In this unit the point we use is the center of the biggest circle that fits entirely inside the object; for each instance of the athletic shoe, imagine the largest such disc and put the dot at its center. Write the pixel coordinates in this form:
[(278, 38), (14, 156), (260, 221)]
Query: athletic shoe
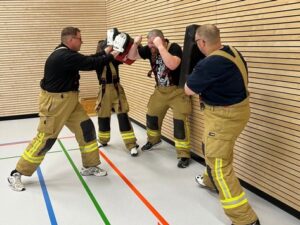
[(183, 162), (148, 146), (134, 152), (199, 180), (93, 171), (255, 223), (15, 182)]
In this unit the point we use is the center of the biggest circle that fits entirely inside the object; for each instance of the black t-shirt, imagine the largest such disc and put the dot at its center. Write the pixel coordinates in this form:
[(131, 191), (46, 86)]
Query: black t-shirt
[(163, 75), (108, 76), (61, 71), (218, 80)]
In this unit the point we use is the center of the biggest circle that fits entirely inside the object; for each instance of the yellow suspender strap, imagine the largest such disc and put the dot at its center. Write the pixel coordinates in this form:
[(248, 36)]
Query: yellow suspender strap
[(237, 61), (112, 69)]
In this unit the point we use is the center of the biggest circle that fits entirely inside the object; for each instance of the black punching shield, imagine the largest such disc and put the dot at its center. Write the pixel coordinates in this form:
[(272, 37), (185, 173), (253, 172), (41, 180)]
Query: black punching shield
[(190, 55)]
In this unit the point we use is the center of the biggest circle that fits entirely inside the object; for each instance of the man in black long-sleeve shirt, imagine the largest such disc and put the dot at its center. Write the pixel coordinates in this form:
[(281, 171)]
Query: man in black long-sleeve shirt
[(59, 106)]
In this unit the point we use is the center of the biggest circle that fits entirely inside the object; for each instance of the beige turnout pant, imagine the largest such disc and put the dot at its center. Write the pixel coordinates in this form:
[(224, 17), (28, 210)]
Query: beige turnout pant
[(57, 110), (160, 101), (222, 126), (114, 98)]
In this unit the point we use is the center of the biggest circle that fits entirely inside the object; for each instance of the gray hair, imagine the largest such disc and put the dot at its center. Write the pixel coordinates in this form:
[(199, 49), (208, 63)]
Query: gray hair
[(68, 31), (155, 33)]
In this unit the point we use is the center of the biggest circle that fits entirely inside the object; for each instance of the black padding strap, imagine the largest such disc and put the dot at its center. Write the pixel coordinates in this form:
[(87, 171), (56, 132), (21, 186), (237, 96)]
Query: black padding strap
[(104, 124), (152, 122), (179, 131), (88, 130), (124, 123)]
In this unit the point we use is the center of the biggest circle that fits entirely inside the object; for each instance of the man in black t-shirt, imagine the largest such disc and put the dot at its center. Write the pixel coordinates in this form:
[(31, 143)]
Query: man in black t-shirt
[(221, 81), (165, 60)]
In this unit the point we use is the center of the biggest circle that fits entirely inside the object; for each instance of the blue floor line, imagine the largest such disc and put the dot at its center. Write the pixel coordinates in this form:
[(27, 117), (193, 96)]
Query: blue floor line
[(46, 197)]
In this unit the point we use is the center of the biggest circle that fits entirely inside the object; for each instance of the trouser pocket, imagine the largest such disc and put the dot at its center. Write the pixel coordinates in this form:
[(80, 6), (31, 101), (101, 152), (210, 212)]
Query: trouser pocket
[(219, 145), (46, 124)]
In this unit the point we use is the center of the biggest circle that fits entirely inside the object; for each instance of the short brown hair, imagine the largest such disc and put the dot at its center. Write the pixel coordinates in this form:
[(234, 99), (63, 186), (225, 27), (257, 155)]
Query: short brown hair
[(209, 32), (68, 31)]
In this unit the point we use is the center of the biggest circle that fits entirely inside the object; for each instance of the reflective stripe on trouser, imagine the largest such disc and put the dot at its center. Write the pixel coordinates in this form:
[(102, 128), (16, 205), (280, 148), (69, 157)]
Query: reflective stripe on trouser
[(57, 110), (110, 100), (129, 139), (88, 152), (222, 127), (160, 101), (104, 137)]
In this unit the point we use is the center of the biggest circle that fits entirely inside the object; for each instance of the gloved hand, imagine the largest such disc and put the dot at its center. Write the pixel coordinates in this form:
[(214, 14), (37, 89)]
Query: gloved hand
[(111, 35), (121, 42)]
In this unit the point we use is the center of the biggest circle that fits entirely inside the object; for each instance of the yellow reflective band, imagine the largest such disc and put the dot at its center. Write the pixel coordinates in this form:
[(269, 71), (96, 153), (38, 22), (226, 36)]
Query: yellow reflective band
[(89, 148), (234, 202), (37, 160), (234, 198), (232, 206), (153, 133), (220, 178), (37, 143), (182, 144), (126, 136), (104, 134)]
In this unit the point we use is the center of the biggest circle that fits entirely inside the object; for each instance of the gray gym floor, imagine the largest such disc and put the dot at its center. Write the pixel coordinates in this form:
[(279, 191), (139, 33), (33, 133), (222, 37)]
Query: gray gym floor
[(144, 190)]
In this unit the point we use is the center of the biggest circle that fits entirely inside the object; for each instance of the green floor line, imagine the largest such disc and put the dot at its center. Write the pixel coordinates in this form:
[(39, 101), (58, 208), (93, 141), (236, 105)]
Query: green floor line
[(100, 211), (18, 156)]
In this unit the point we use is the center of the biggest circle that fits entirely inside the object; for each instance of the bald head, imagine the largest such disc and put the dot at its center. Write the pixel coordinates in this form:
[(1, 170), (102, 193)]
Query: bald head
[(207, 38), (210, 33)]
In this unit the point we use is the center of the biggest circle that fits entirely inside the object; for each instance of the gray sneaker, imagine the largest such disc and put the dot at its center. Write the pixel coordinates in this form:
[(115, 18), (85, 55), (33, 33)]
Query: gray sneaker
[(93, 171), (199, 180), (15, 182)]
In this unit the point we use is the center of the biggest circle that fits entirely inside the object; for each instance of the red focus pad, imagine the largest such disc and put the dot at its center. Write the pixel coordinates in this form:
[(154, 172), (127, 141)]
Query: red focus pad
[(122, 57)]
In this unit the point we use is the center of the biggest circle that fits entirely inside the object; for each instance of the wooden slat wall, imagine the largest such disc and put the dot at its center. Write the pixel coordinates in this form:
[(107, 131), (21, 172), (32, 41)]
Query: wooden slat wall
[(29, 31), (267, 32)]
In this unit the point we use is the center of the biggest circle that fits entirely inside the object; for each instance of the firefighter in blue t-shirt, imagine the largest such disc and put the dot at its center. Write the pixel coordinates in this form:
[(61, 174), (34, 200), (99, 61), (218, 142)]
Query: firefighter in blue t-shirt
[(221, 82)]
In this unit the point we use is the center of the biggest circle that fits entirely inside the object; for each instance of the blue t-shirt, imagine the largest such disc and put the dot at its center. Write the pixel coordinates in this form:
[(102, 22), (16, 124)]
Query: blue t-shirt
[(218, 80)]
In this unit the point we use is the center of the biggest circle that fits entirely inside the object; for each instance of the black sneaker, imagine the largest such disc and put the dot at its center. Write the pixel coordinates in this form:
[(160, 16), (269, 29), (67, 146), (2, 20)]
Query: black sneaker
[(255, 223), (183, 162), (149, 145)]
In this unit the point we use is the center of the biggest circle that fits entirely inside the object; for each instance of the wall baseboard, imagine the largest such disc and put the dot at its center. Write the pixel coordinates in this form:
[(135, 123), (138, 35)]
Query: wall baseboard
[(17, 117)]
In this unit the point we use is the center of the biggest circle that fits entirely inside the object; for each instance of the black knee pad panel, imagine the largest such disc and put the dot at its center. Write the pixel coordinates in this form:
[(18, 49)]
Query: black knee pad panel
[(88, 130), (104, 124), (49, 143), (152, 122), (211, 177), (124, 123), (179, 131)]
